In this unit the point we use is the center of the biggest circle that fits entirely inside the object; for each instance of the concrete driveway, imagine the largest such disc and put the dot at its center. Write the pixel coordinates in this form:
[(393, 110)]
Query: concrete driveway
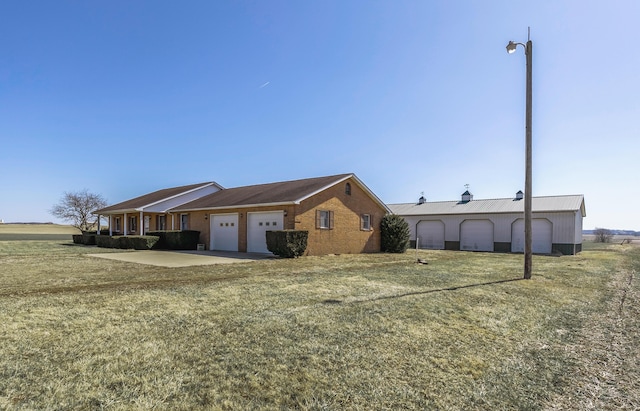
[(182, 258)]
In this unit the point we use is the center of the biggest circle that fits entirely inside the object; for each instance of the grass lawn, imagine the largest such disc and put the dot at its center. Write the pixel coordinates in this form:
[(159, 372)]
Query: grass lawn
[(337, 332)]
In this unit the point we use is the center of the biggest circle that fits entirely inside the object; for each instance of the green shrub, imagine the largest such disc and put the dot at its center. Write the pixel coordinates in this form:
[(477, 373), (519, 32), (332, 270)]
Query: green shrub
[(287, 243), (89, 238), (77, 238), (177, 239), (137, 242), (106, 241), (394, 233)]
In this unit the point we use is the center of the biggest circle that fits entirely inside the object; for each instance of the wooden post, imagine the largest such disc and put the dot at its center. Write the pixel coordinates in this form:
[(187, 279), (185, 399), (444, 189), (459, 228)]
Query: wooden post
[(528, 186)]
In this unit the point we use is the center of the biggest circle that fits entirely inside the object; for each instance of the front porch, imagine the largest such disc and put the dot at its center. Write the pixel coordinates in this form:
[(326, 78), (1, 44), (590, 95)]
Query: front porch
[(123, 224)]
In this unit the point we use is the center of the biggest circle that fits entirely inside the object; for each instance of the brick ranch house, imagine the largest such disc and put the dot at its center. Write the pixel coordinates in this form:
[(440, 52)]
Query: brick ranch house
[(341, 214)]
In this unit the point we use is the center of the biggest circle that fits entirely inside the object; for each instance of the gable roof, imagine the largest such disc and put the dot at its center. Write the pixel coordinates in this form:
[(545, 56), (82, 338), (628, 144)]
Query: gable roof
[(271, 194), (500, 205), (148, 200)]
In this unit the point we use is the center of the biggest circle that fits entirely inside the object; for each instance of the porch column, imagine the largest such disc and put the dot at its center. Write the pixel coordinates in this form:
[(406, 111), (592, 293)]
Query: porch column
[(172, 222), (141, 222), (125, 224), (110, 226), (98, 232)]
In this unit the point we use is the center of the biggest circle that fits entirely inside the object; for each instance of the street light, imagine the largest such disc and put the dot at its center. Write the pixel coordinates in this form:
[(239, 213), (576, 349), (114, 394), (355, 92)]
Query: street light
[(528, 50)]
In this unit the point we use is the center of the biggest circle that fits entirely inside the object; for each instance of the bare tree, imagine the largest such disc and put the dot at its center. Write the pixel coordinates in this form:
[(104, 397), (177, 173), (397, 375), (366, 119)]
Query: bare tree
[(77, 208), (603, 235)]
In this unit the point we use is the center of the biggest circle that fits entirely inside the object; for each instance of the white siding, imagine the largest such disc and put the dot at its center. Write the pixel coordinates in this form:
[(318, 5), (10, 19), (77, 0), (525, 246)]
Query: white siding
[(163, 206), (578, 225), (567, 226)]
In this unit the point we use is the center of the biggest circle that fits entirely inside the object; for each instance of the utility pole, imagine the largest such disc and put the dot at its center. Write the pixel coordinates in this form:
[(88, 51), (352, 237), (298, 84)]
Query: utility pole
[(528, 50)]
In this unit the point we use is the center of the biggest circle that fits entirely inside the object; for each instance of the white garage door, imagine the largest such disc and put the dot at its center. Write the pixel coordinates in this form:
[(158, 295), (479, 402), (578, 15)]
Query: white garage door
[(224, 232), (257, 226), (476, 235), (541, 236), (430, 235)]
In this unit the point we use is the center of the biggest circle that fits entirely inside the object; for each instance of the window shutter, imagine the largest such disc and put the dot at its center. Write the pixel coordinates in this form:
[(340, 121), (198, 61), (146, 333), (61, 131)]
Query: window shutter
[(331, 220), (318, 224)]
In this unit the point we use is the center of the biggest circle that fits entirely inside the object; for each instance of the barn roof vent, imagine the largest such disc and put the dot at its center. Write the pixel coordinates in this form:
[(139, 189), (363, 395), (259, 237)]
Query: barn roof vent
[(422, 200), (467, 196), (519, 195)]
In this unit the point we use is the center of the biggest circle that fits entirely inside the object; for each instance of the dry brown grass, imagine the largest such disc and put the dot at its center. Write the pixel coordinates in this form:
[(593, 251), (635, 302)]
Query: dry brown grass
[(335, 332), (35, 232)]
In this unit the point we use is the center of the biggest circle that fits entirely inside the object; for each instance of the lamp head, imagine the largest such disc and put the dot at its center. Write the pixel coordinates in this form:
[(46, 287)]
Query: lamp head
[(511, 47)]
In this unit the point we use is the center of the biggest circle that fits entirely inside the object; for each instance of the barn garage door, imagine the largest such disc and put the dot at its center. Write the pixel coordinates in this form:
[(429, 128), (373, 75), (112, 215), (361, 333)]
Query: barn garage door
[(257, 226), (224, 232), (541, 236), (430, 235), (476, 235)]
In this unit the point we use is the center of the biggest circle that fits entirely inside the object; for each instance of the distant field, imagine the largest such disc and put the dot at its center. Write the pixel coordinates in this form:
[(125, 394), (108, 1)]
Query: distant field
[(36, 232), (617, 239)]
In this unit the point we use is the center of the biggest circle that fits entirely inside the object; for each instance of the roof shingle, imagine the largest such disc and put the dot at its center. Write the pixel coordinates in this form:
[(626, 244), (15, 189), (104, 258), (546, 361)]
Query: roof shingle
[(263, 194)]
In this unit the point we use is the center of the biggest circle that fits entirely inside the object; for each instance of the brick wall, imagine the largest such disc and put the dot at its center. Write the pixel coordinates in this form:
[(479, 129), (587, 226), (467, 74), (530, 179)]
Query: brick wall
[(346, 237)]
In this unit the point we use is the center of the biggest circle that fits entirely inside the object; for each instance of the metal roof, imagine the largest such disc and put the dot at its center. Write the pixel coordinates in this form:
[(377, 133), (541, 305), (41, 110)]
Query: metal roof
[(500, 205)]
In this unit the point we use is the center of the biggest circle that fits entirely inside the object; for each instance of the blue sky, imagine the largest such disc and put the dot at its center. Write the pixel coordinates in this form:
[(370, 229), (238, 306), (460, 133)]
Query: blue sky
[(127, 97)]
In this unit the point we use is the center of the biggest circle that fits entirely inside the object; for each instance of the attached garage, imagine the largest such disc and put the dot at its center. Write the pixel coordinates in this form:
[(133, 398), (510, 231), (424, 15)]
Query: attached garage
[(430, 234), (541, 235), (476, 235), (258, 223), (224, 232)]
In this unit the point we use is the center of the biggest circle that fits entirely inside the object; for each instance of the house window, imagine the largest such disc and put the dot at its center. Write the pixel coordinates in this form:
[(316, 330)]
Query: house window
[(133, 226), (324, 219), (184, 221), (365, 222), (117, 225), (161, 222), (347, 189)]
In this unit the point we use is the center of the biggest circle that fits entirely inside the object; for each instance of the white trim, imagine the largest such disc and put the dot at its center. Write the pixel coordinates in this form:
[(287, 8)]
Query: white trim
[(358, 182), (238, 206), (301, 199), (182, 215), (297, 201), (141, 208), (179, 195)]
